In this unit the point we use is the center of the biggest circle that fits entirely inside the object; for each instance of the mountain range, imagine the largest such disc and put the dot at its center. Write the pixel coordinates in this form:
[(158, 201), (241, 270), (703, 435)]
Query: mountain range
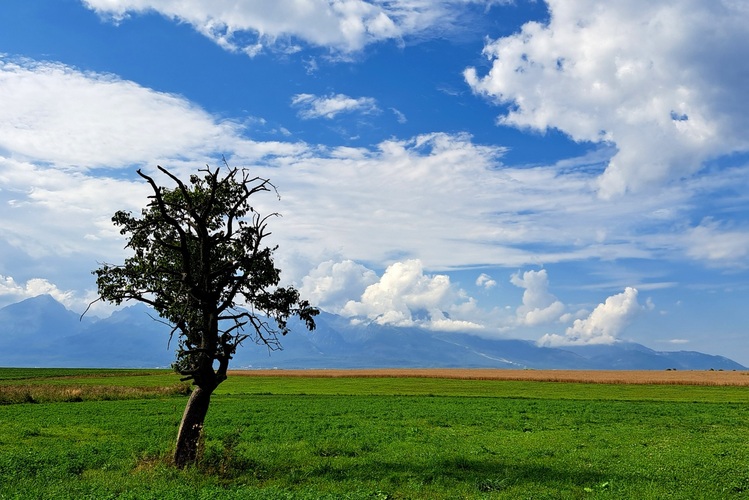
[(41, 332)]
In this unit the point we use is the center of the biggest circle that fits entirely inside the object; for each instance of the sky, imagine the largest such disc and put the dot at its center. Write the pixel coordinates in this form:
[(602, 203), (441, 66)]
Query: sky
[(564, 172)]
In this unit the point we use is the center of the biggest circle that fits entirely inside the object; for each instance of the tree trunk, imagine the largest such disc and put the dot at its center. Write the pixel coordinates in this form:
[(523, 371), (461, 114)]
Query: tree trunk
[(188, 437)]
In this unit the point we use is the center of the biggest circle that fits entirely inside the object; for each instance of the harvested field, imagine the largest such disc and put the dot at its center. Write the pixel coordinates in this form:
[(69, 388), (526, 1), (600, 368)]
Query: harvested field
[(669, 377)]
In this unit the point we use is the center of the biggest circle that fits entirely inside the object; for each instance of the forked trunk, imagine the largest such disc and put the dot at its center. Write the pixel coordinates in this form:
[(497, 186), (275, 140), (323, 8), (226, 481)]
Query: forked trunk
[(188, 437)]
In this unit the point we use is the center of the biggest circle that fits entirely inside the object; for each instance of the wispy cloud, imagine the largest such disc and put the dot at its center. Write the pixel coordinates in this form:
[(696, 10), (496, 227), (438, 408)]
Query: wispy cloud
[(676, 341), (312, 106), (399, 116), (718, 245)]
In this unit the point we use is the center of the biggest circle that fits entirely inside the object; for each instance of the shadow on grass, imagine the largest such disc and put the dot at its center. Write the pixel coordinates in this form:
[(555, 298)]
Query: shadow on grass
[(485, 474), (481, 475)]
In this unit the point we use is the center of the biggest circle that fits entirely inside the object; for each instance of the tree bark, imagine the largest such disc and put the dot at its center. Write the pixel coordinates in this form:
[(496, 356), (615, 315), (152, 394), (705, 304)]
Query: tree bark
[(191, 428)]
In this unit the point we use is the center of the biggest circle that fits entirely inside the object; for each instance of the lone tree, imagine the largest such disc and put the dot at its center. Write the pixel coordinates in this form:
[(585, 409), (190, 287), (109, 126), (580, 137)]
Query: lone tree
[(198, 254)]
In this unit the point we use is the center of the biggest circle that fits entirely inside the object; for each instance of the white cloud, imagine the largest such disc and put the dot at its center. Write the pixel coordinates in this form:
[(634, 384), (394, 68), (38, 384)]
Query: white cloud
[(312, 106), (405, 296), (332, 284), (12, 291), (604, 324), (54, 113), (439, 197), (657, 79), (49, 212), (63, 135), (450, 202), (485, 281), (399, 116), (712, 243), (344, 26), (539, 306)]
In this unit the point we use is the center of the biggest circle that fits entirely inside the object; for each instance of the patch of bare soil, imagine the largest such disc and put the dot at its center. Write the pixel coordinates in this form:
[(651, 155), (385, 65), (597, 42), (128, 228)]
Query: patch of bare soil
[(688, 377)]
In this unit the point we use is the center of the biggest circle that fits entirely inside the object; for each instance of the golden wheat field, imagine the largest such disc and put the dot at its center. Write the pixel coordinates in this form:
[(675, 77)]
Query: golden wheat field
[(675, 377)]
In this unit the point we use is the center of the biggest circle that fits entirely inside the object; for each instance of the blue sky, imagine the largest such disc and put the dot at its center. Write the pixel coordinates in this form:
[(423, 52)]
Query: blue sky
[(566, 172)]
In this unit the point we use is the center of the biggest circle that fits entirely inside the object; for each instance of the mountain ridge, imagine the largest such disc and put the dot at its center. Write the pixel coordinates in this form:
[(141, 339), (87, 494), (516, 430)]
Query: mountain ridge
[(41, 332)]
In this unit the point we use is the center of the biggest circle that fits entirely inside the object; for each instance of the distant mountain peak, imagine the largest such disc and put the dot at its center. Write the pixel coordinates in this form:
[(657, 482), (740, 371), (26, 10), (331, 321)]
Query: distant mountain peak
[(42, 300)]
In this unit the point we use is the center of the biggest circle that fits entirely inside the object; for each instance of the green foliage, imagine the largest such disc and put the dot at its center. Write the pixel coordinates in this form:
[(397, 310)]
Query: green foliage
[(491, 444)]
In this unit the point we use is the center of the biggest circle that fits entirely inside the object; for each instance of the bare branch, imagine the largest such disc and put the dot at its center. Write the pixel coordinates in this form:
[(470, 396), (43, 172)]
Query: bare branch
[(89, 307), (167, 217)]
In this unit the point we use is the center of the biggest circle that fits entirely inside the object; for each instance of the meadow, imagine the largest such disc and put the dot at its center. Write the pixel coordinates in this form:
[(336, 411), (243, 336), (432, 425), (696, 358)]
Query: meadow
[(374, 435)]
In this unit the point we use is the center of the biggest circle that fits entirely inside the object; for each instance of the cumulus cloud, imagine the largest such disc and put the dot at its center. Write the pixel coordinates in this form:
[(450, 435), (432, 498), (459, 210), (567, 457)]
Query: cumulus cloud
[(656, 79), (332, 284), (312, 106), (604, 324), (12, 291), (343, 26), (405, 296), (539, 306)]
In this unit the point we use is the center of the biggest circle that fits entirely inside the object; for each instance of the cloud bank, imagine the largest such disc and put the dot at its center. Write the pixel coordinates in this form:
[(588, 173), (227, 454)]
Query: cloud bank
[(406, 296), (442, 198)]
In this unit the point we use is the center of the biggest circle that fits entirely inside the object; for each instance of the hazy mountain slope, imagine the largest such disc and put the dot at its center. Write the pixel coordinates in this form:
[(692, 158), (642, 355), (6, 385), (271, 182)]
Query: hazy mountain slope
[(32, 332), (41, 332)]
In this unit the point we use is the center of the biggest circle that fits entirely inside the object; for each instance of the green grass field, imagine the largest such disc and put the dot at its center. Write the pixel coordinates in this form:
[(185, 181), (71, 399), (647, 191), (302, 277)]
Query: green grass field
[(276, 437)]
